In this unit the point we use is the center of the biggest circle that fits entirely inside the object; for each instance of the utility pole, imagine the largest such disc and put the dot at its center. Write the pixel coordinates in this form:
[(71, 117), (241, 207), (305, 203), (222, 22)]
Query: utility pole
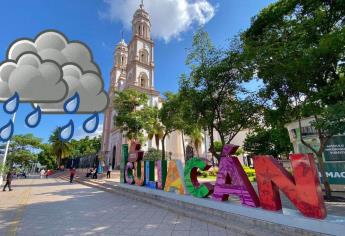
[(6, 152)]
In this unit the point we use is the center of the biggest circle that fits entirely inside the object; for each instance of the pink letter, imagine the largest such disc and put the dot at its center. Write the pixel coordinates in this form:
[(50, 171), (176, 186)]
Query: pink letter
[(232, 179)]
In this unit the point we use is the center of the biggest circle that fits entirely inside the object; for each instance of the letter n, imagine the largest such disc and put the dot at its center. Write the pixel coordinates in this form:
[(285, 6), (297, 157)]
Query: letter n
[(303, 188)]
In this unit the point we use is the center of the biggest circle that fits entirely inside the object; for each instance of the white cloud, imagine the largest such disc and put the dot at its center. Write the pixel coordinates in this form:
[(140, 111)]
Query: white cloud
[(80, 133), (169, 18)]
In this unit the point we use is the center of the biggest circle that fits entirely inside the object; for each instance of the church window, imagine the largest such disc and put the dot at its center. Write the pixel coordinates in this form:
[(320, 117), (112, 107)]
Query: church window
[(144, 56), (143, 80)]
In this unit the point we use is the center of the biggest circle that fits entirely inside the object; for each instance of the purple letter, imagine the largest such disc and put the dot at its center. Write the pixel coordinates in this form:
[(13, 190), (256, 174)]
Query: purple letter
[(232, 179)]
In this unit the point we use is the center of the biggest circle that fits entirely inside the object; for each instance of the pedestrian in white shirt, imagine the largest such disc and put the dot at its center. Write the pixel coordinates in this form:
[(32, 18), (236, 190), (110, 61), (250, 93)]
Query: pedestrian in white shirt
[(42, 173)]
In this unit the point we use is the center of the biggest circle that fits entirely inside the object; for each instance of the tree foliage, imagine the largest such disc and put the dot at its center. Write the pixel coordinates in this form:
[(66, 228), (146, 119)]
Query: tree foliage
[(47, 157), (298, 51), (268, 141), (218, 101), (60, 148), (171, 116), (23, 149), (85, 146), (153, 125), (132, 112)]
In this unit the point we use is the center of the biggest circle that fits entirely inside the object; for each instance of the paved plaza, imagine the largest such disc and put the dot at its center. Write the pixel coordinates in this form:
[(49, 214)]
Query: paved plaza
[(55, 207)]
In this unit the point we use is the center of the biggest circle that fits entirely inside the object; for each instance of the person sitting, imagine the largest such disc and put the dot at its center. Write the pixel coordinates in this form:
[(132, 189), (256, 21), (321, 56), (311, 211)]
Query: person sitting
[(94, 176), (89, 173)]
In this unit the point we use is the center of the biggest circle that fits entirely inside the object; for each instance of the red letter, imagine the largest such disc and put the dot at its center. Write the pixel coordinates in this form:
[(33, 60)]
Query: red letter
[(303, 189)]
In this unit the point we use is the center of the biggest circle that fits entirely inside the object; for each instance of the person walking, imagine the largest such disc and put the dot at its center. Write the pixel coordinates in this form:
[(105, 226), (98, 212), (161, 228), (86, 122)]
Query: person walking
[(9, 178), (71, 175), (42, 173), (109, 169)]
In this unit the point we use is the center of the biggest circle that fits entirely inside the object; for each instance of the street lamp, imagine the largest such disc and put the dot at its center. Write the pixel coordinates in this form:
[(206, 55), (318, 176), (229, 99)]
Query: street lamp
[(6, 151)]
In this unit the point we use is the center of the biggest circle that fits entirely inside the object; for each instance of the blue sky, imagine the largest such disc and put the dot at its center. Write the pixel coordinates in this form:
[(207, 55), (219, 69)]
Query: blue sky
[(90, 22)]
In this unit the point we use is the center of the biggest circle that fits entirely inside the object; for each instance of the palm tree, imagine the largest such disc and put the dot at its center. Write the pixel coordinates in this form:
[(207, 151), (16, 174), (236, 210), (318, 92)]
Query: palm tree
[(156, 131), (196, 137), (60, 148), (153, 126)]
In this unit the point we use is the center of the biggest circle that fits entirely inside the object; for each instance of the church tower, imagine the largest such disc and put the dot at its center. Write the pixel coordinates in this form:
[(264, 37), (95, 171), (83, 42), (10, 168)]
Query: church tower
[(140, 67), (133, 68), (119, 70)]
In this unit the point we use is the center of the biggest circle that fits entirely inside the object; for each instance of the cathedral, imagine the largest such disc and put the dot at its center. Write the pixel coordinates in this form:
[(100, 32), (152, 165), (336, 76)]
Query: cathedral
[(133, 68)]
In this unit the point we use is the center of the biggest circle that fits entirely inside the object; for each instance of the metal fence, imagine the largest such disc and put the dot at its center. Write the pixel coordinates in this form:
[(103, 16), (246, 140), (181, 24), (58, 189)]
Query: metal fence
[(87, 161)]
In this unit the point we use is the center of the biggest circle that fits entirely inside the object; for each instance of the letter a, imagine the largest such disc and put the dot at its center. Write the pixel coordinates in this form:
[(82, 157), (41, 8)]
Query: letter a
[(232, 179), (175, 177)]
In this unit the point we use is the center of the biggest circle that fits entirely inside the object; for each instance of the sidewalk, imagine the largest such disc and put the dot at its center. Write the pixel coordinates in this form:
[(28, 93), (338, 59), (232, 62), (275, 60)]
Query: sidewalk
[(333, 208), (228, 214)]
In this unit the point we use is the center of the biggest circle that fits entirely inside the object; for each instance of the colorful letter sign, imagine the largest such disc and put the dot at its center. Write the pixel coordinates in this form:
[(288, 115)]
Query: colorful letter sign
[(232, 179), (161, 168), (150, 174), (191, 180), (139, 173), (303, 189), (123, 163), (129, 173), (175, 177)]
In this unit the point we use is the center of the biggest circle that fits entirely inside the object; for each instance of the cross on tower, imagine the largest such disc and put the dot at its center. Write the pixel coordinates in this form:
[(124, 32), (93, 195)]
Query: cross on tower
[(142, 4)]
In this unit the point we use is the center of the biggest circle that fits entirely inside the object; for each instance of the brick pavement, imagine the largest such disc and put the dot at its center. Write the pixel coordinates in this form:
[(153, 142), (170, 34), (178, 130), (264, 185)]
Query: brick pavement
[(54, 207), (333, 208)]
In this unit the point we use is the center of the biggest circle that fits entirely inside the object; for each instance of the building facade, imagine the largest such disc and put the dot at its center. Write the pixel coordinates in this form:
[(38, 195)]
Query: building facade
[(133, 68)]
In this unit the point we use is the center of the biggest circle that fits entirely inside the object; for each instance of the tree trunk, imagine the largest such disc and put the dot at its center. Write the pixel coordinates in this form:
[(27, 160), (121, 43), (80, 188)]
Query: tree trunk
[(157, 141), (214, 153), (183, 146), (325, 181), (58, 160), (163, 147), (318, 153), (197, 150)]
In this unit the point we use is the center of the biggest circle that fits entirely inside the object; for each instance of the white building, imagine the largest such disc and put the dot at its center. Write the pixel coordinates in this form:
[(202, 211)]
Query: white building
[(134, 68)]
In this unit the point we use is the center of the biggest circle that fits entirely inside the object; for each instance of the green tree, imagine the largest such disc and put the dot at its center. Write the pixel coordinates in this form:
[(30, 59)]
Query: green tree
[(85, 146), (268, 141), (46, 156), (23, 149), (171, 116), (60, 148), (271, 137), (218, 101), (131, 108), (297, 48), (196, 137), (153, 126)]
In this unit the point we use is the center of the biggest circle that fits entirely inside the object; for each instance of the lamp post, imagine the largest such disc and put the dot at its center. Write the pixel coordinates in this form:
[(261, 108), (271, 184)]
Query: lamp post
[(6, 152)]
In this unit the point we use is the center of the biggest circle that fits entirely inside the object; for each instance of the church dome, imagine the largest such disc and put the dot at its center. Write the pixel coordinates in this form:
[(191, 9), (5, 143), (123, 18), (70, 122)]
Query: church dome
[(141, 13)]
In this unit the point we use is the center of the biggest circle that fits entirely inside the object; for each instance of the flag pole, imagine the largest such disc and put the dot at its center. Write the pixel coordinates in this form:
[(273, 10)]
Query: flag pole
[(6, 151)]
